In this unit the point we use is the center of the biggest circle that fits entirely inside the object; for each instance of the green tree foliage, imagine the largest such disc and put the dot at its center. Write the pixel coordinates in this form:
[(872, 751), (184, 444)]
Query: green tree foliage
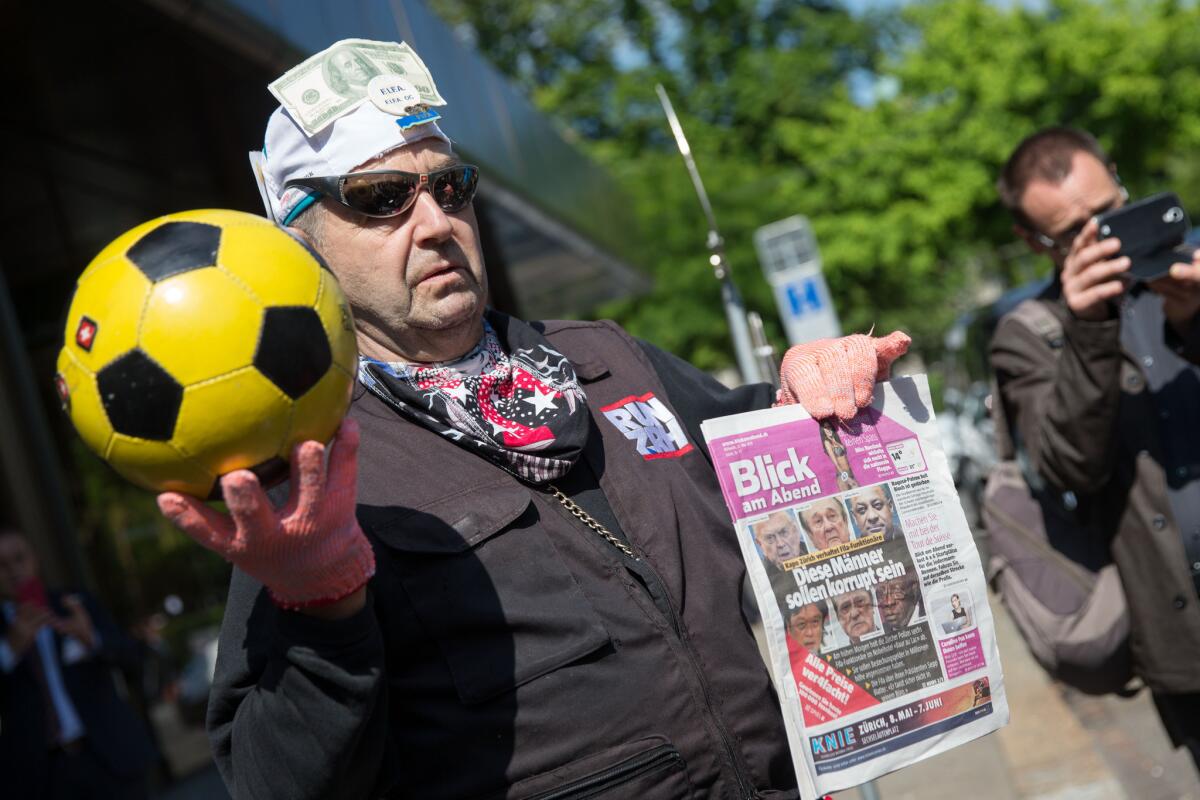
[(733, 67), (906, 187), (900, 190)]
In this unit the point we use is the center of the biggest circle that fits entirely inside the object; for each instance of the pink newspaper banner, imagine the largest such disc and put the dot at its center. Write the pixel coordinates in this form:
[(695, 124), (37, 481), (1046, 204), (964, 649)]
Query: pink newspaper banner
[(775, 467)]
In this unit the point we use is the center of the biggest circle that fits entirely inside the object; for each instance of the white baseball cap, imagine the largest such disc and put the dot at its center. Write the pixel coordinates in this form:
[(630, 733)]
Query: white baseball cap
[(353, 139)]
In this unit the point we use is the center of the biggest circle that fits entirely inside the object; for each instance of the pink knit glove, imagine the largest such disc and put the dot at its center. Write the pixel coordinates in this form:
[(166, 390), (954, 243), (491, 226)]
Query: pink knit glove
[(311, 551), (837, 376)]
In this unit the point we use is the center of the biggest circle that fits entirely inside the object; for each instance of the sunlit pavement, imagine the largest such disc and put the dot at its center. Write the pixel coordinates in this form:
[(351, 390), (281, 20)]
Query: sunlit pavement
[(1060, 745)]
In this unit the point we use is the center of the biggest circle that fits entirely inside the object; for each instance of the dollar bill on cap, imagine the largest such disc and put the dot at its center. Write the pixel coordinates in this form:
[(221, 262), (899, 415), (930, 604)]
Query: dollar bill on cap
[(335, 81)]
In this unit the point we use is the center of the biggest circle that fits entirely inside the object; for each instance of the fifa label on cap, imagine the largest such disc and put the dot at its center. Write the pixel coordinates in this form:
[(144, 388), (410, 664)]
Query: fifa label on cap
[(396, 96), (393, 94)]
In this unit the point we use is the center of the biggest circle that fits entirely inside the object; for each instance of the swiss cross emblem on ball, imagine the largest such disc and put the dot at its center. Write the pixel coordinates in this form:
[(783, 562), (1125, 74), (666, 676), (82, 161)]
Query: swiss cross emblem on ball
[(85, 334), (204, 342)]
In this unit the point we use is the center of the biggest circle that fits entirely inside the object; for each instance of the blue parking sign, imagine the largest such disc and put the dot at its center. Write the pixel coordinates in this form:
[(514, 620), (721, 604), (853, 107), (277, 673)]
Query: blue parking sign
[(804, 296)]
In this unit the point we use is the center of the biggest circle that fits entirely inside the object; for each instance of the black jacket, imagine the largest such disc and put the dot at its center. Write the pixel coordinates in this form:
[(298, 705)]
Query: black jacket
[(1090, 424), (113, 733), (506, 648)]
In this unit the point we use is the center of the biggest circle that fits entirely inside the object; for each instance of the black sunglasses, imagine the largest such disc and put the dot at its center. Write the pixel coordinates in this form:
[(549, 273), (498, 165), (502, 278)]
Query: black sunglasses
[(388, 192)]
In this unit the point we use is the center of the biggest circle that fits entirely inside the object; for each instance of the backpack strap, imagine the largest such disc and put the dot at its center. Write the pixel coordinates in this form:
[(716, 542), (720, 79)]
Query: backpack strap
[(1036, 316)]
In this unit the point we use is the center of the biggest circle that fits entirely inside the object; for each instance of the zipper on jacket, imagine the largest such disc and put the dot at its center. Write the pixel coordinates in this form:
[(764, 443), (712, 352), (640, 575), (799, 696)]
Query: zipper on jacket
[(641, 568), (647, 573), (651, 761)]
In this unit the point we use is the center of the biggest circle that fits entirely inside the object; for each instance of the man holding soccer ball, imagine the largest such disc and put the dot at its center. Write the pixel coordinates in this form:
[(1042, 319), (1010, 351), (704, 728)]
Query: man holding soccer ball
[(513, 570)]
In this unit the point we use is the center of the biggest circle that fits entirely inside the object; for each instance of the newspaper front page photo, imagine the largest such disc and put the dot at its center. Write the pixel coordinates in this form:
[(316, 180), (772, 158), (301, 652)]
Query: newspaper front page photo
[(870, 587)]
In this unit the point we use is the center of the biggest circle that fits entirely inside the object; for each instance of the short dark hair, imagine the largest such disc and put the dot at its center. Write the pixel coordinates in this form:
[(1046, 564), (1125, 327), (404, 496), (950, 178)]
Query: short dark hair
[(1044, 155), (312, 222), (788, 613)]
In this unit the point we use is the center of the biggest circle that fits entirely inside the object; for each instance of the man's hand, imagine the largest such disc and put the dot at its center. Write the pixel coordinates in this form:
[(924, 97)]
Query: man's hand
[(310, 554), (77, 624), (1180, 292), (1091, 276), (837, 376), (22, 633)]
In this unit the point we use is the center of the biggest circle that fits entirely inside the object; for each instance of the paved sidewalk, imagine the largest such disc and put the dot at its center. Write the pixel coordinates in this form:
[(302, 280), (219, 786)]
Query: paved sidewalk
[(1060, 745)]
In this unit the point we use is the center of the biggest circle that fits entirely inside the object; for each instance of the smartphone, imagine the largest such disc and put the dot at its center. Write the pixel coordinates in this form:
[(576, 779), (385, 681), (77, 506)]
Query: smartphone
[(1152, 233)]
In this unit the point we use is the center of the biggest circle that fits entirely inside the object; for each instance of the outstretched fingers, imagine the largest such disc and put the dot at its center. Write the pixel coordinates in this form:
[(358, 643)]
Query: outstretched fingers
[(207, 526), (343, 461), (248, 504), (860, 353), (803, 377), (308, 479), (888, 349)]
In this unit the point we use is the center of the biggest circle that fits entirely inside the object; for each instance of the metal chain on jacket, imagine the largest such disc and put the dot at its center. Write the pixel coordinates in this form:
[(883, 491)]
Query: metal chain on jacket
[(587, 519)]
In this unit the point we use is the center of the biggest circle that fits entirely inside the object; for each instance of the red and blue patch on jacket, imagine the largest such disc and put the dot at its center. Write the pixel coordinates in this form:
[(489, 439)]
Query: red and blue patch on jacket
[(648, 422)]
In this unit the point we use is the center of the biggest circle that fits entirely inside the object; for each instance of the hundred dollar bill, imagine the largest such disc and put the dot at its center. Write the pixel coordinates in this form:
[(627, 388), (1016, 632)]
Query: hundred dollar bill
[(333, 83)]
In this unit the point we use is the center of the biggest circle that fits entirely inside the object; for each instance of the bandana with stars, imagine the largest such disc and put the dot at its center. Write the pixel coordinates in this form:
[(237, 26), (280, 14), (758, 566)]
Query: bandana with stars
[(523, 409)]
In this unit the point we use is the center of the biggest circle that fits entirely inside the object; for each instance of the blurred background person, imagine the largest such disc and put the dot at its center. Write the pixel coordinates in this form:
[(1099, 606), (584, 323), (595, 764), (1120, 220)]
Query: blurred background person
[(1110, 410), (65, 731)]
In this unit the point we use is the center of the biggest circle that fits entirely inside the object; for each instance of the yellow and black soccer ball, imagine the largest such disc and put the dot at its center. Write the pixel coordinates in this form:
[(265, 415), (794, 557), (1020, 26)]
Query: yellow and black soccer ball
[(204, 342)]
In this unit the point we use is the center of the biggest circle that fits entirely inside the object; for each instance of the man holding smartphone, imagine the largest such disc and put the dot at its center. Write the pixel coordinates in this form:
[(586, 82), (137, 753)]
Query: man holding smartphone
[(65, 732), (1107, 404)]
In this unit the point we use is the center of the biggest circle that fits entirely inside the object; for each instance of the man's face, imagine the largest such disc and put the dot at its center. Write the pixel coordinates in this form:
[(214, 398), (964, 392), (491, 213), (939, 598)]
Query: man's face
[(897, 599), (779, 538), (17, 564), (872, 511), (806, 626), (855, 613), (826, 523), (411, 279), (1060, 210)]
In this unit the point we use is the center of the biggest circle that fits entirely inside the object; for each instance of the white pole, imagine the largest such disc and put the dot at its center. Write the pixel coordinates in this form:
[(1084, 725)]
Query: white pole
[(735, 311)]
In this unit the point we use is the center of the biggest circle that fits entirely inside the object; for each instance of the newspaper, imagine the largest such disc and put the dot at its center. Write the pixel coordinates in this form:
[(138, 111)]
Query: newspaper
[(872, 596)]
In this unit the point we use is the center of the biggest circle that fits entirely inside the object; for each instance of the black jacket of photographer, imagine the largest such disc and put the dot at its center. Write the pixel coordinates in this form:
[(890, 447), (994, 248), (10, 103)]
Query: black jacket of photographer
[(507, 649), (1114, 417)]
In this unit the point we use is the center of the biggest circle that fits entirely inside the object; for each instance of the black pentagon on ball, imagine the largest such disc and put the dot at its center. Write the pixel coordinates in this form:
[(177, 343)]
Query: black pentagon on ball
[(140, 398), (176, 247), (293, 350)]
